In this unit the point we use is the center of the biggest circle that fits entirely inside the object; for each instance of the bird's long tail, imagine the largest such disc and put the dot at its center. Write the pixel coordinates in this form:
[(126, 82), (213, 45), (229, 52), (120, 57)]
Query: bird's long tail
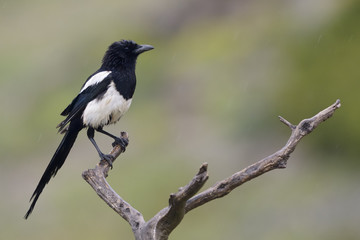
[(55, 164)]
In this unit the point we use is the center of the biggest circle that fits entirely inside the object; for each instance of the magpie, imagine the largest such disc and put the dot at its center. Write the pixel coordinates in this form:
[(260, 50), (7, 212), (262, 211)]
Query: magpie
[(103, 99)]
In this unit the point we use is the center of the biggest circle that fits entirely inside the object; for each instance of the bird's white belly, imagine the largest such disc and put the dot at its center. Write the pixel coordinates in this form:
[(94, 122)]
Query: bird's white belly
[(107, 110)]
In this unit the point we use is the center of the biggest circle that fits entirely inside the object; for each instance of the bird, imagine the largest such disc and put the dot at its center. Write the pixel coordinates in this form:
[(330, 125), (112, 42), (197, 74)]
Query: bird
[(103, 99)]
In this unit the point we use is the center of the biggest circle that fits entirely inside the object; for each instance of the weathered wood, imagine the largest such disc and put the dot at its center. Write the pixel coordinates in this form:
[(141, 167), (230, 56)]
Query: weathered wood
[(166, 220)]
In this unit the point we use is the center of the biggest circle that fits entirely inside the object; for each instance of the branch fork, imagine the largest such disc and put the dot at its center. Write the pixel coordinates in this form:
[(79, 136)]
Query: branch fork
[(186, 198)]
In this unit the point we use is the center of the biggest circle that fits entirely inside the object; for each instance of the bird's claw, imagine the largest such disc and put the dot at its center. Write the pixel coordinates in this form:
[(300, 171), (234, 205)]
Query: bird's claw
[(108, 158), (122, 142)]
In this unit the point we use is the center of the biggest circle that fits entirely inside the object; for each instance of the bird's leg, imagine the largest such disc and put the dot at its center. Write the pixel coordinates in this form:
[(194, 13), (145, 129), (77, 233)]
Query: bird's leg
[(118, 140), (107, 157)]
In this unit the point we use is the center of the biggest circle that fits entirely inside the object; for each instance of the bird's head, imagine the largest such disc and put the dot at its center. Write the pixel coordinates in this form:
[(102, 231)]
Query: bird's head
[(123, 52)]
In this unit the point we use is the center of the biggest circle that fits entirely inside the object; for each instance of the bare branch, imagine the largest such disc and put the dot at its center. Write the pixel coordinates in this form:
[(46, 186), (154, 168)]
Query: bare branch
[(274, 161), (168, 218), (96, 178), (164, 222)]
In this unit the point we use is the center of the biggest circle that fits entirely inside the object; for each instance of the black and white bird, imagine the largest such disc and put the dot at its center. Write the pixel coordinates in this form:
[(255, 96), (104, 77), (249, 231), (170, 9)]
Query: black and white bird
[(103, 99)]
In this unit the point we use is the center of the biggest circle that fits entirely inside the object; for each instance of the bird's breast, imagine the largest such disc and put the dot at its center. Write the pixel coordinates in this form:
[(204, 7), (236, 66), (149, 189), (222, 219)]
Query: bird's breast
[(106, 109)]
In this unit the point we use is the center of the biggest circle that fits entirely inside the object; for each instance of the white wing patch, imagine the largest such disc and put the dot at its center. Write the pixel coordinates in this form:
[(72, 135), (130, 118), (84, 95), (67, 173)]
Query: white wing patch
[(95, 79), (107, 110)]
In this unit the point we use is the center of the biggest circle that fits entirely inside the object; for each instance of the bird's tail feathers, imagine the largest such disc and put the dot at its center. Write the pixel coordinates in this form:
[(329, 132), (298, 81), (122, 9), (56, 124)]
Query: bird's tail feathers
[(55, 164)]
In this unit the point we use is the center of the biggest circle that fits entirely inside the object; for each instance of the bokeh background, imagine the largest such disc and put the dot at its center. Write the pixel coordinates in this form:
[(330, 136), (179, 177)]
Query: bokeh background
[(211, 91)]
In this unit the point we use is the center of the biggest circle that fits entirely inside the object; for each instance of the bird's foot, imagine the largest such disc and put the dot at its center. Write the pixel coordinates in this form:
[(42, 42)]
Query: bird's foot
[(122, 142), (108, 158)]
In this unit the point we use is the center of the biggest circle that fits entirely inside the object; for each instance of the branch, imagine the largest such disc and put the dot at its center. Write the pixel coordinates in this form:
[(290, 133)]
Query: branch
[(274, 161), (164, 222), (96, 178)]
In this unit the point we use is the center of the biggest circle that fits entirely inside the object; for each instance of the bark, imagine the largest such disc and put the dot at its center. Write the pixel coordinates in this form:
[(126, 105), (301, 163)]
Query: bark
[(184, 200)]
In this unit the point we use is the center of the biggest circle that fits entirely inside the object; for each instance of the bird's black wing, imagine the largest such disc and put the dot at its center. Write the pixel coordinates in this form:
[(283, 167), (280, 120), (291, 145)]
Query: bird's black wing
[(86, 95), (68, 109)]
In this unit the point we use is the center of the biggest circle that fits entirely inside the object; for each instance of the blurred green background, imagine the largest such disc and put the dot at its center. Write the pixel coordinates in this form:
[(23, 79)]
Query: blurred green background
[(211, 91)]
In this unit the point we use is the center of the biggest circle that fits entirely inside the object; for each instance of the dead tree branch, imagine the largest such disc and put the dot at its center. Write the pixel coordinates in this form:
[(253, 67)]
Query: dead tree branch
[(96, 178), (165, 221)]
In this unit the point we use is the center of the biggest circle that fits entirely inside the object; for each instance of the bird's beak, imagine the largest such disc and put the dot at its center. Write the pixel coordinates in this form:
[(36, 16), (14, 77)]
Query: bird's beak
[(143, 48)]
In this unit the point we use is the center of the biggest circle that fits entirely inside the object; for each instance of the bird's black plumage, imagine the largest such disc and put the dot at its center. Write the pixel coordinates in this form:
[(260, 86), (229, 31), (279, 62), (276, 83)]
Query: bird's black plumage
[(103, 99)]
